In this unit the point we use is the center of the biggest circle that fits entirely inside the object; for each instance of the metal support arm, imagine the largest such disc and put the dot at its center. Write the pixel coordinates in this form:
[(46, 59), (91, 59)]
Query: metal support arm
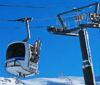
[(27, 21), (62, 31)]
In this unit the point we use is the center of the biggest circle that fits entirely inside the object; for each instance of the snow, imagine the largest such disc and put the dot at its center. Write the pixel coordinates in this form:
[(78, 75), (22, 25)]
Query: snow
[(44, 81)]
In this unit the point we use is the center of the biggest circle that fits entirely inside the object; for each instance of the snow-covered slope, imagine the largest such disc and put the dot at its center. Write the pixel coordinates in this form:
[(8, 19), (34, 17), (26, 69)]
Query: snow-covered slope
[(44, 81)]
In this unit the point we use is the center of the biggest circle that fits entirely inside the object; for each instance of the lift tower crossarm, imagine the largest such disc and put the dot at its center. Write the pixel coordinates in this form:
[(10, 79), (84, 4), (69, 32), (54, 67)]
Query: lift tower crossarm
[(62, 31)]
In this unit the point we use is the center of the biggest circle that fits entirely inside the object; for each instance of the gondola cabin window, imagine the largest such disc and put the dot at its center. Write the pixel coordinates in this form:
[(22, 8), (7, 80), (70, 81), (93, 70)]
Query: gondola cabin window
[(16, 50)]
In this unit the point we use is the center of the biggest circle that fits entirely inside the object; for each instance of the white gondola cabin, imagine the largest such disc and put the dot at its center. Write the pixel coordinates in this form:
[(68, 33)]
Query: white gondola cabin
[(21, 57)]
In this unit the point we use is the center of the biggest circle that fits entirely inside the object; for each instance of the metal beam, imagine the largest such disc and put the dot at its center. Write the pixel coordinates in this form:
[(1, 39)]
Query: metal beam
[(86, 56), (81, 8)]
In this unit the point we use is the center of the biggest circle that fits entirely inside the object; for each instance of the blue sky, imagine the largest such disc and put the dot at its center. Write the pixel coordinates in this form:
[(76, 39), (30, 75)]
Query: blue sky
[(59, 54)]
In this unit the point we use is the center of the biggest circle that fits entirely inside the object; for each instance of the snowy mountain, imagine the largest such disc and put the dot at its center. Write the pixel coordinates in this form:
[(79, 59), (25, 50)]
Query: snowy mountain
[(44, 81)]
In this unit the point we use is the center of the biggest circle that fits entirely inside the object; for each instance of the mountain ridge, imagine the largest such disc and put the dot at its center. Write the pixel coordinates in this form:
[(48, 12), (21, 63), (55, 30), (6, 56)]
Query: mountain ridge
[(70, 80)]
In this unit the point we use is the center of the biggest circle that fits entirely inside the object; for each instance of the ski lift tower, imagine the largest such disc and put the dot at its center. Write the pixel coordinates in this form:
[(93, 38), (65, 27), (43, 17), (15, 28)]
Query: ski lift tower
[(22, 57), (75, 22)]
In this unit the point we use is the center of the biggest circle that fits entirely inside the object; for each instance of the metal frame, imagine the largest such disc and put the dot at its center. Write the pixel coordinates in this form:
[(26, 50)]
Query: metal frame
[(80, 31), (27, 20), (76, 10)]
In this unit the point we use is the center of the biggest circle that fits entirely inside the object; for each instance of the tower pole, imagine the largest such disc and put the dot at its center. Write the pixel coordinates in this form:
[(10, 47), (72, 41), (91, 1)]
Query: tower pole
[(86, 56)]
